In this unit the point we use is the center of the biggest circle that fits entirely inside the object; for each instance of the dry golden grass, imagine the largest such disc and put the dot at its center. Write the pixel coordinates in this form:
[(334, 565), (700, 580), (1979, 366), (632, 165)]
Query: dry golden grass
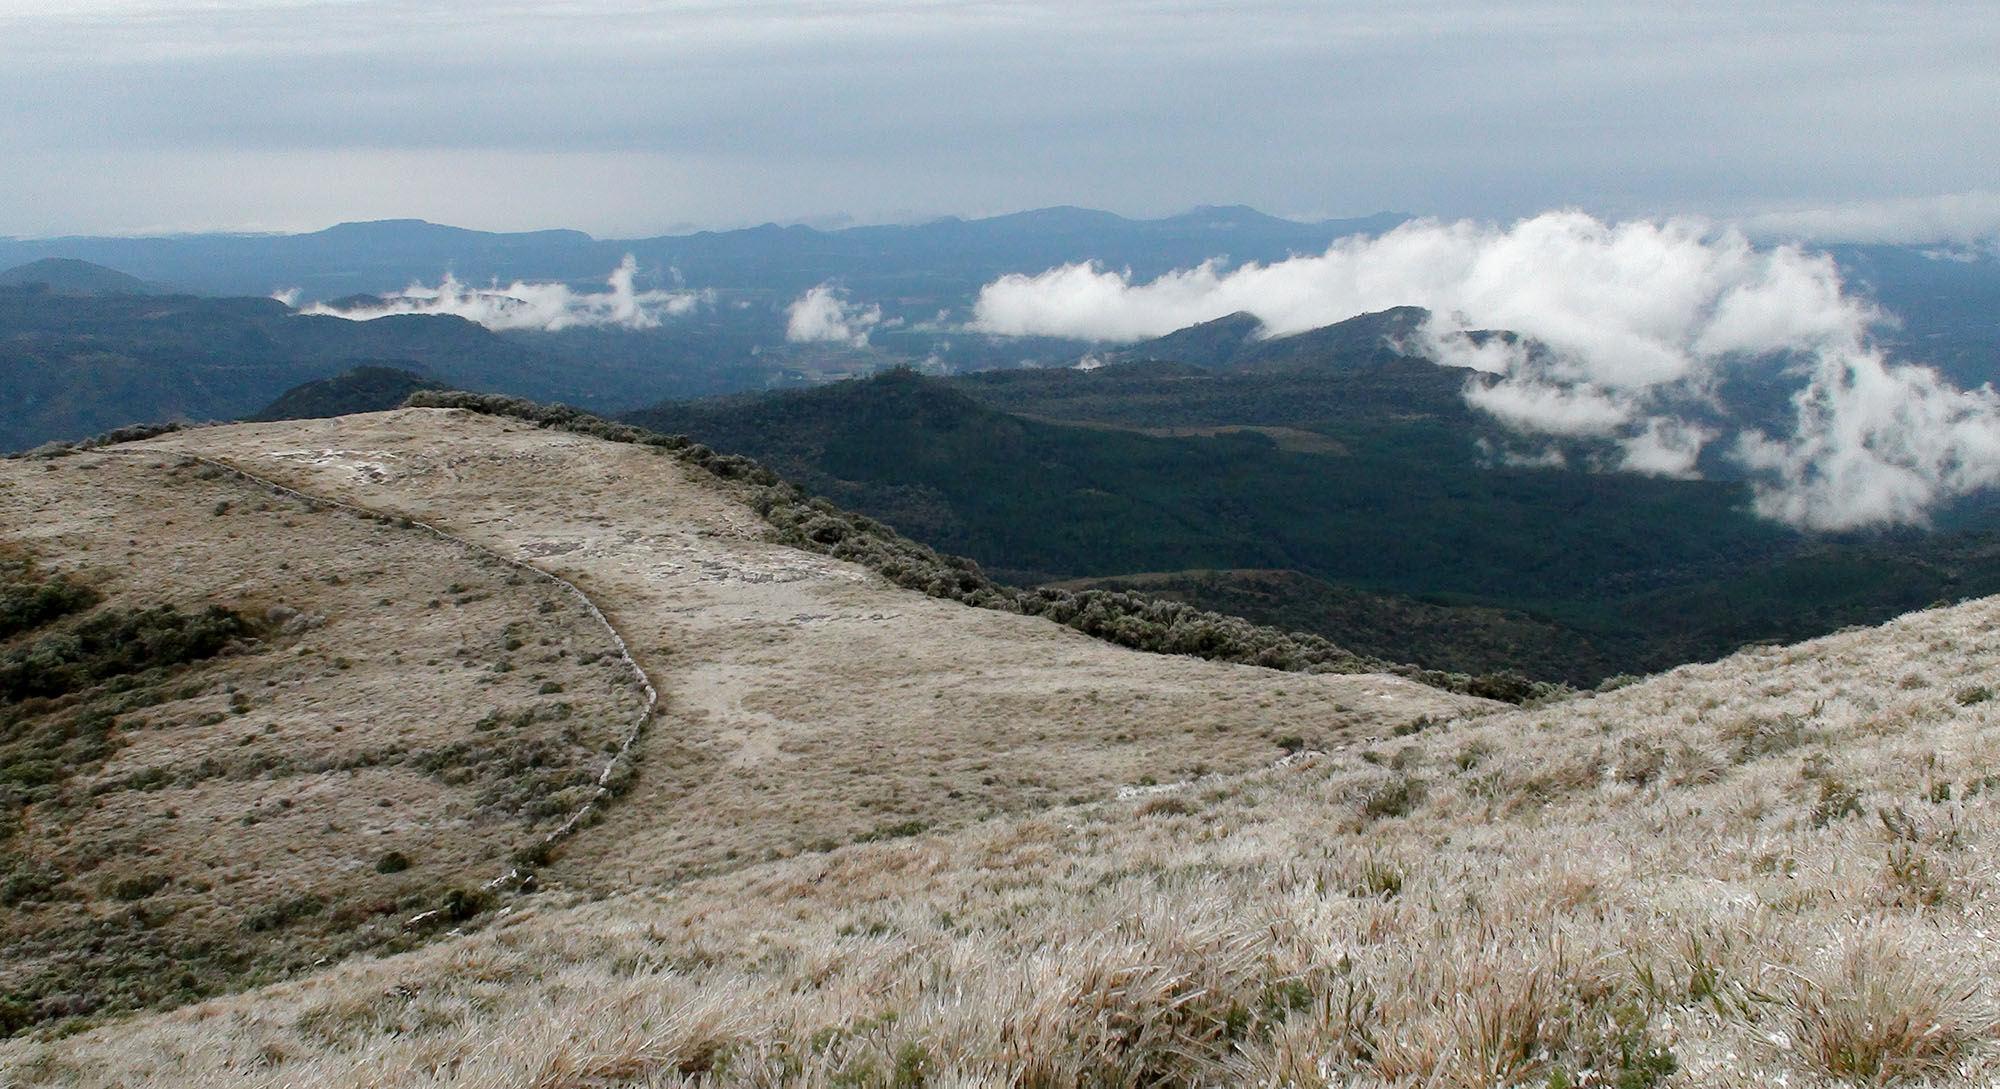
[(1776, 869), (1540, 917)]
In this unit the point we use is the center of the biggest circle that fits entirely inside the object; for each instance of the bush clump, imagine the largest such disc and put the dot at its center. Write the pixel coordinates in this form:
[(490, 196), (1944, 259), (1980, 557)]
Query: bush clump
[(29, 601), (116, 642)]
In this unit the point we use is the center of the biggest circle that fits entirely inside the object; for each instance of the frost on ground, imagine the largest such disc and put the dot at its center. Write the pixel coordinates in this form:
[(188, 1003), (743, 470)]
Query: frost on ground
[(893, 843)]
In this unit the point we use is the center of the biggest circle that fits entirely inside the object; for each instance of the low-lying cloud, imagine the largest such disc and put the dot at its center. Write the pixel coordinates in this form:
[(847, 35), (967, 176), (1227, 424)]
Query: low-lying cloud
[(824, 315), (1626, 333), (547, 307), (1966, 219)]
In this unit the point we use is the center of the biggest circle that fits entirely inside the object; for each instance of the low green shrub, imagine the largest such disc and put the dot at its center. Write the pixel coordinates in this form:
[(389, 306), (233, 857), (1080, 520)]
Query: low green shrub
[(116, 642), (29, 600)]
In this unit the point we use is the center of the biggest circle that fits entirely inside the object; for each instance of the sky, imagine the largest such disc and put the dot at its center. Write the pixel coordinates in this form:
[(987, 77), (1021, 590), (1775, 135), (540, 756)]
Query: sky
[(628, 119)]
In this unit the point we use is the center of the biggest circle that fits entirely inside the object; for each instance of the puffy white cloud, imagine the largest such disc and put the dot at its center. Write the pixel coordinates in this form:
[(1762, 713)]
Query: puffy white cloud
[(1666, 447), (549, 307), (1574, 411), (1875, 442), (823, 314), (1623, 332)]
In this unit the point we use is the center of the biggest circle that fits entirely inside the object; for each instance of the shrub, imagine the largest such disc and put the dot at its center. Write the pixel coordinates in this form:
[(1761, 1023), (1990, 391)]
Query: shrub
[(116, 643), (1397, 797), (28, 601), (285, 912), (460, 904), (392, 862), (1877, 1016), (899, 830), (138, 888)]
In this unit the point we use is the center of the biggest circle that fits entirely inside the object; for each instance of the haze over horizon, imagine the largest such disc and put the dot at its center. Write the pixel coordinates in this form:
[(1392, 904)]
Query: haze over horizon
[(148, 116)]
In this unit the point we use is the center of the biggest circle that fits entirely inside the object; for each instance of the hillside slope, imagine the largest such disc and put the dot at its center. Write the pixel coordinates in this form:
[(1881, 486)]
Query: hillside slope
[(1152, 473), (266, 733), (394, 672), (794, 685), (1766, 868), (1773, 868), (66, 276)]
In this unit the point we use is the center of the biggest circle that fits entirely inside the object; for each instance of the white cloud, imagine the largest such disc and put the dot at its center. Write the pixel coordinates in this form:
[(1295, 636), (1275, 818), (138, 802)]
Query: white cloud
[(1666, 447), (548, 307), (1876, 442), (1553, 410), (1625, 331), (823, 314)]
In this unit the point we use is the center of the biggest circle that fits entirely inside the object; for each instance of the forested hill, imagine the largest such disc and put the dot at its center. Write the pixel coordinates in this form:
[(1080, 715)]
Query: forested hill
[(1370, 491)]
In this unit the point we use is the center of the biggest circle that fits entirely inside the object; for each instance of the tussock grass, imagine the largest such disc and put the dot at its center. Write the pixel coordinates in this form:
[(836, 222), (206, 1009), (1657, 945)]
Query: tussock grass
[(1552, 920), (1879, 1011)]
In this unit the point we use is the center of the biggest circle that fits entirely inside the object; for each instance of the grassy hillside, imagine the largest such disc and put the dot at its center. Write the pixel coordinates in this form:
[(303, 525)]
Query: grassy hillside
[(1757, 872), (245, 730), (241, 733), (875, 837)]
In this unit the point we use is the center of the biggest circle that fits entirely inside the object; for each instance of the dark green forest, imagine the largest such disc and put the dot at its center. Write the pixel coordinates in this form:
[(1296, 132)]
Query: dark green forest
[(1393, 537)]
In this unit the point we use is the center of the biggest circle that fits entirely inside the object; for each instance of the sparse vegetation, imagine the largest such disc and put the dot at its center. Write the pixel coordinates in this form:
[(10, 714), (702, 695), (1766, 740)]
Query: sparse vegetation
[(164, 830), (116, 643), (1465, 942)]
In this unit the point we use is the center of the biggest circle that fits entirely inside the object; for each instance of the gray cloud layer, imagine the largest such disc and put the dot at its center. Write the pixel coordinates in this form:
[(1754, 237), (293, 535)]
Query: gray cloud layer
[(622, 117)]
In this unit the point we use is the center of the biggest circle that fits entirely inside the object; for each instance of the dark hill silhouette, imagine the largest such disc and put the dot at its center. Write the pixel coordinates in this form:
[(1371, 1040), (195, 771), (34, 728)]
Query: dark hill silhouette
[(69, 276), (370, 387), (1237, 342)]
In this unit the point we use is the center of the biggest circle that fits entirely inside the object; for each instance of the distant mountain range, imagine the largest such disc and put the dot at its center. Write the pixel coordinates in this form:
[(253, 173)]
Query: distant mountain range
[(1324, 480), (75, 365), (948, 256)]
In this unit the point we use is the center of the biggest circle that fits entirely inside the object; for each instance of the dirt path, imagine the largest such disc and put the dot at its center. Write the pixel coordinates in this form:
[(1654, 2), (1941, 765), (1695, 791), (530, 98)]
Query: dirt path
[(803, 700), (620, 760)]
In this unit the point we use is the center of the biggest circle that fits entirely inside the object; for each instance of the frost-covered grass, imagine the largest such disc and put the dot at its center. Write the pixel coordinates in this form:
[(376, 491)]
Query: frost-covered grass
[(1776, 869)]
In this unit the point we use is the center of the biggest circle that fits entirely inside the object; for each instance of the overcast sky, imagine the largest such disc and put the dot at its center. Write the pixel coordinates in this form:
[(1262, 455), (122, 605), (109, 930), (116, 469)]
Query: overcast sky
[(625, 118)]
